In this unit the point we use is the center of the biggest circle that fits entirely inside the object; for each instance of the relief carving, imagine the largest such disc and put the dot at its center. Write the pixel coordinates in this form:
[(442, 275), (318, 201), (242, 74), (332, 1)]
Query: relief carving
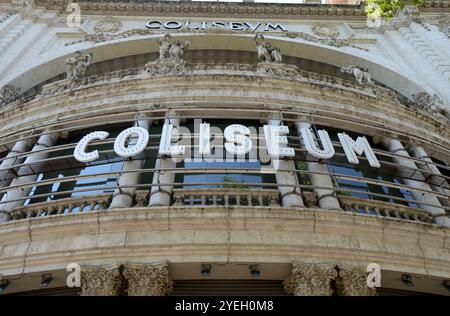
[(266, 52), (108, 25), (432, 104), (327, 31)]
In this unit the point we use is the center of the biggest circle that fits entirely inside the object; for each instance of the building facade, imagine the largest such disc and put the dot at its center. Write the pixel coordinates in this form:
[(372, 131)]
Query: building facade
[(192, 147)]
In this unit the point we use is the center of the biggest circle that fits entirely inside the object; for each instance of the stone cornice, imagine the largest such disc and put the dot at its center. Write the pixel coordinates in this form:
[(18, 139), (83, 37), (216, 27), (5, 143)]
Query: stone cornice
[(211, 9)]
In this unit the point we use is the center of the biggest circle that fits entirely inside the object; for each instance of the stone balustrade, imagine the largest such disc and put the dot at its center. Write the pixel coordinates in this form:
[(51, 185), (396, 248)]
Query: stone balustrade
[(63, 206), (380, 208), (226, 197)]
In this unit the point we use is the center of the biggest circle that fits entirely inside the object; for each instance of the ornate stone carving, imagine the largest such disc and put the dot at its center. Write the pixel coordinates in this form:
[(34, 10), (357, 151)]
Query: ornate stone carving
[(352, 281), (170, 59), (8, 94), (148, 279), (310, 280), (108, 25), (77, 64), (329, 41), (361, 74), (266, 52), (278, 70), (385, 94), (443, 24), (327, 31), (430, 103), (100, 281)]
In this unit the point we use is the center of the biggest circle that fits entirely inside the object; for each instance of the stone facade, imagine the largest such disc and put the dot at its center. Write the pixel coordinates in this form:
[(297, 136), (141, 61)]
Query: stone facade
[(134, 239)]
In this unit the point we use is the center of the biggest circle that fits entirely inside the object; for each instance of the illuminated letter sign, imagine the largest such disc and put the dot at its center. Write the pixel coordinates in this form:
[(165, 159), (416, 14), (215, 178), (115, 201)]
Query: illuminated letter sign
[(310, 144), (166, 147), (237, 140), (134, 147), (274, 138), (80, 153), (351, 148)]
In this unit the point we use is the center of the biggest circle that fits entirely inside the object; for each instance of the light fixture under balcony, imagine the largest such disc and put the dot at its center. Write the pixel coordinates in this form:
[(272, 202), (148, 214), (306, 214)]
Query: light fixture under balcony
[(206, 270), (3, 285), (46, 279), (407, 280), (254, 270)]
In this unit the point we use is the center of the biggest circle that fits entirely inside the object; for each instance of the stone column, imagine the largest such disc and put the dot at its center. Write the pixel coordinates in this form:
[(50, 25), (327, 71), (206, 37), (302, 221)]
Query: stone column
[(161, 195), (10, 160), (352, 281), (326, 198), (148, 279), (101, 281), (436, 183), (291, 196), (310, 279), (124, 197), (26, 174), (396, 147)]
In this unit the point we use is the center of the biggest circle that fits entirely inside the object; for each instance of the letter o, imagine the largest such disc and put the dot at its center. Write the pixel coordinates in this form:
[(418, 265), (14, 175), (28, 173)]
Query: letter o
[(137, 148), (80, 153), (177, 25)]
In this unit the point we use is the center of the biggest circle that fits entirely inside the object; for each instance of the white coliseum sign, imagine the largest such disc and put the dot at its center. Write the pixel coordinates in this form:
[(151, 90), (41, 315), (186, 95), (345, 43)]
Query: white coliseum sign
[(237, 142)]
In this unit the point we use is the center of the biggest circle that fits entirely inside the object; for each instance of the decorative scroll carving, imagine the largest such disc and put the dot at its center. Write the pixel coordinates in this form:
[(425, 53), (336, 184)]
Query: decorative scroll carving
[(148, 279), (266, 52), (430, 103), (361, 74), (170, 59), (77, 64), (310, 280), (100, 281), (8, 94), (329, 41), (108, 25), (327, 31), (352, 281)]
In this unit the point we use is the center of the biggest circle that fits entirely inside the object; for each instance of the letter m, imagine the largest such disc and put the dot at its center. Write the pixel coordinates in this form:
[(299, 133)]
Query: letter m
[(274, 27), (358, 147)]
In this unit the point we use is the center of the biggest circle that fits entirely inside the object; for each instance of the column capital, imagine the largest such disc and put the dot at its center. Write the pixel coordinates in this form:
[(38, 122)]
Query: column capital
[(352, 281), (148, 279), (310, 279), (101, 281)]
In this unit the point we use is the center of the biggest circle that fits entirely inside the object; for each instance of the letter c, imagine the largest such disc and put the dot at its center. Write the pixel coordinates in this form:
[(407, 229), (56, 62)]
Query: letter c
[(80, 153)]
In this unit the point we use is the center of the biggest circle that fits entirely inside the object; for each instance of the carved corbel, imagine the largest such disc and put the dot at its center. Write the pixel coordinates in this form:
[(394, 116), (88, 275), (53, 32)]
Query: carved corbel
[(310, 279), (101, 281), (148, 279)]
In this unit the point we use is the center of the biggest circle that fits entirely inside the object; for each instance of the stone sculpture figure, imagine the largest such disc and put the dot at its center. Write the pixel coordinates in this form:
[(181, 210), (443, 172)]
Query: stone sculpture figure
[(8, 94), (77, 64), (266, 51), (361, 74), (169, 51), (430, 103)]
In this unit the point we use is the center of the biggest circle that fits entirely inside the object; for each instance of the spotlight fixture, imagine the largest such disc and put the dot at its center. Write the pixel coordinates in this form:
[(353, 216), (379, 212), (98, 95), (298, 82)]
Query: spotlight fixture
[(46, 279), (3, 285), (407, 280), (254, 270), (206, 270), (446, 284)]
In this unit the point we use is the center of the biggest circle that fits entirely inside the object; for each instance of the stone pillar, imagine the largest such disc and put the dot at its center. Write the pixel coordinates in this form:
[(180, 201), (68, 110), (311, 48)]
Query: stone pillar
[(148, 279), (290, 196), (10, 160), (310, 279), (101, 281), (436, 183), (26, 174), (161, 195), (396, 147), (124, 197), (352, 281), (326, 198)]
